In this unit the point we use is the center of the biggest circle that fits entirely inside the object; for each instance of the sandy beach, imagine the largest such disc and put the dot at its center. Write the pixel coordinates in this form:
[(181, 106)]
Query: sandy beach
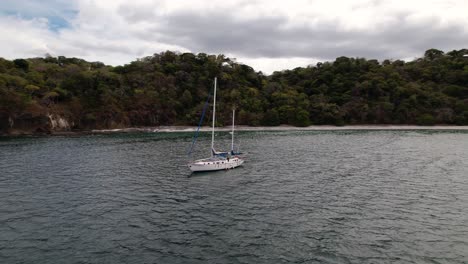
[(280, 128)]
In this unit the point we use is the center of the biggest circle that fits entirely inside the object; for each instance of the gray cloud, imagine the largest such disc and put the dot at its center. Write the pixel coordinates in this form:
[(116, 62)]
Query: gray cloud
[(268, 35), (272, 37), (134, 14)]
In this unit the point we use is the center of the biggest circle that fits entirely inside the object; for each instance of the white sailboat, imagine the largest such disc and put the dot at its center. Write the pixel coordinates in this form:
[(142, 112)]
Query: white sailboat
[(218, 160)]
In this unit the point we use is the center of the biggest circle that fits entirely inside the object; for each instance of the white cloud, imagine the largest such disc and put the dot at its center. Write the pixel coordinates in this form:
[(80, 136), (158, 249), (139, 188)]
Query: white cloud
[(269, 65), (268, 35), (24, 38)]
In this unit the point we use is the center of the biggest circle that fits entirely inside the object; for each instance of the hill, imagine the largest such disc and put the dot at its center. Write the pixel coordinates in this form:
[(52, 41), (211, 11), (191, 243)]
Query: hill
[(40, 95)]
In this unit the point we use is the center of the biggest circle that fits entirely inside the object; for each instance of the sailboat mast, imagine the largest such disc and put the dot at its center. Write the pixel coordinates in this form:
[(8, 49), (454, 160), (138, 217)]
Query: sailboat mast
[(232, 141), (214, 116)]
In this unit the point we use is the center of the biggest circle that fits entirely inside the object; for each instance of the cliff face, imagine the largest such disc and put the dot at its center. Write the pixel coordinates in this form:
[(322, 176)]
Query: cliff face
[(5, 123), (59, 123), (28, 123)]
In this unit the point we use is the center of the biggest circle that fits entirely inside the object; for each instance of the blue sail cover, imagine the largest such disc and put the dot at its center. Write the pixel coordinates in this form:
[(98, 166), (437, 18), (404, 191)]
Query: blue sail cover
[(219, 154), (234, 153), (225, 154)]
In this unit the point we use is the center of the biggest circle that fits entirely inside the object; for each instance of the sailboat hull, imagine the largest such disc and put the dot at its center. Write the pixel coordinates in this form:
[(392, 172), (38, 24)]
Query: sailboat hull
[(215, 164)]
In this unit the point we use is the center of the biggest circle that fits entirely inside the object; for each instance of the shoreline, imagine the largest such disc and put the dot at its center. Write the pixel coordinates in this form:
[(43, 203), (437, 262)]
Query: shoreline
[(170, 129), (177, 129)]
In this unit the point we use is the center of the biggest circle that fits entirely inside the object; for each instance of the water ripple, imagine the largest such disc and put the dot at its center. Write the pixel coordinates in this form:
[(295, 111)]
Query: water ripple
[(302, 197)]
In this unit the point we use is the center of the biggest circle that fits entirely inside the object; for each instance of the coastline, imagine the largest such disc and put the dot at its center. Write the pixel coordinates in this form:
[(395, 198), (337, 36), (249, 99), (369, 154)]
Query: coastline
[(171, 129), (177, 129)]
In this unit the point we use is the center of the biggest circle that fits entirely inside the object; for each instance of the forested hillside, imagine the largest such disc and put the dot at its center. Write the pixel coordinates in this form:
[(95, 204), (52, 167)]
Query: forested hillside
[(59, 93)]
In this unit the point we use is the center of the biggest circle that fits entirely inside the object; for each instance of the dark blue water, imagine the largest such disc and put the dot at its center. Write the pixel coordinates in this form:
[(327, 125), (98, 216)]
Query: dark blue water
[(301, 197)]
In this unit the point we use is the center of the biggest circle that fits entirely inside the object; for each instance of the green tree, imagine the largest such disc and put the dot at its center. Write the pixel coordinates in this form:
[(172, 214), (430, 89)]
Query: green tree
[(22, 64)]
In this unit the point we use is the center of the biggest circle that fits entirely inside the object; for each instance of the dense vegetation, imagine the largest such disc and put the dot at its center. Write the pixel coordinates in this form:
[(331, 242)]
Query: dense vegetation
[(171, 89)]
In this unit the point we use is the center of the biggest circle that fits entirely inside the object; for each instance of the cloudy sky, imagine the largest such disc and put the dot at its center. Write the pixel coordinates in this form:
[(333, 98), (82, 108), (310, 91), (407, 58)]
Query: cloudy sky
[(268, 35)]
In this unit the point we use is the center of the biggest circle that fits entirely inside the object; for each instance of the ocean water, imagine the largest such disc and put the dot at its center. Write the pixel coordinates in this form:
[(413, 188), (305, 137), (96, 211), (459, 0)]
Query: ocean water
[(301, 197)]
